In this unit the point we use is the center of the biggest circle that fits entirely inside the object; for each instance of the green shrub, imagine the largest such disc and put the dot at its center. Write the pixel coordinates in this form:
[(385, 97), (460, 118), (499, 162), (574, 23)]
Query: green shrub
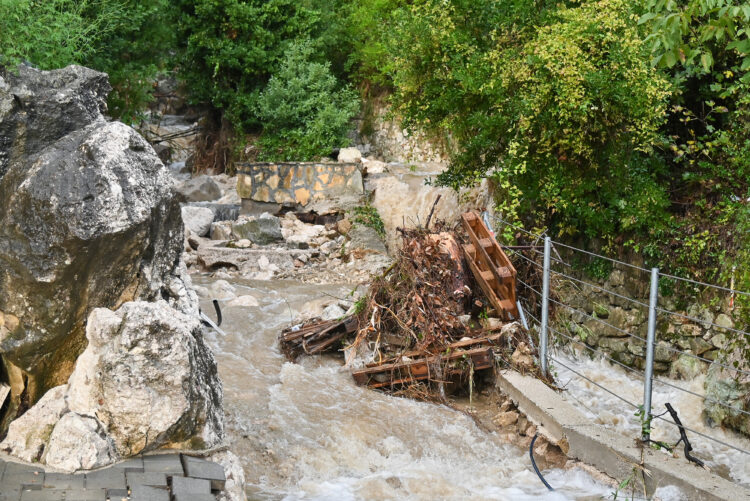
[(304, 111), (558, 104), (128, 39)]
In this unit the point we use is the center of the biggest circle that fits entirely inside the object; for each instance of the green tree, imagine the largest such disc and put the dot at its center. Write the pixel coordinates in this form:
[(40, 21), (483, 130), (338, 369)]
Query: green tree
[(305, 113)]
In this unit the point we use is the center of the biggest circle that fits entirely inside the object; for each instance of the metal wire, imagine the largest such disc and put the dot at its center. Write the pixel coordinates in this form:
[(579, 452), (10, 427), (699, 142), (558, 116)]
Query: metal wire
[(705, 397), (506, 223), (606, 291), (655, 416), (523, 257), (704, 284), (595, 383), (704, 435), (602, 257), (699, 321), (692, 355), (594, 350)]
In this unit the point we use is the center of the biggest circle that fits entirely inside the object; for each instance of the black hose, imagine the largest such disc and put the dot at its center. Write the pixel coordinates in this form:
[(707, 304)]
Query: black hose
[(533, 463), (218, 312)]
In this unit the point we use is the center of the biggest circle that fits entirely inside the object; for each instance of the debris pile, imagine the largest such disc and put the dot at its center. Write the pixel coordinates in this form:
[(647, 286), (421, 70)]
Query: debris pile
[(443, 312)]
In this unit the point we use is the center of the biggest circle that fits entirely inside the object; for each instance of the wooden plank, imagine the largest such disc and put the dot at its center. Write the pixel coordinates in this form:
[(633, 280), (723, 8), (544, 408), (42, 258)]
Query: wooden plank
[(419, 370)]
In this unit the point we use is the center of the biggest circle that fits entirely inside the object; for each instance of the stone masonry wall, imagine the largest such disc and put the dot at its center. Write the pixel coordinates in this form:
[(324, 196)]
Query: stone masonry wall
[(298, 182), (673, 332)]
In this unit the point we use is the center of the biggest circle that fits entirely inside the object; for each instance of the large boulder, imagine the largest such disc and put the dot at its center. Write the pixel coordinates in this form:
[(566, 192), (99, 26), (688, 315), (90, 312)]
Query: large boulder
[(146, 381), (39, 107), (88, 219)]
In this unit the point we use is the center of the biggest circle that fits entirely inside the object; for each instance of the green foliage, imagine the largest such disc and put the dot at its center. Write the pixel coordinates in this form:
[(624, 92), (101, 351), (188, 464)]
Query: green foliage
[(51, 34), (232, 47), (303, 110), (563, 117), (699, 35), (368, 215), (128, 39), (134, 51)]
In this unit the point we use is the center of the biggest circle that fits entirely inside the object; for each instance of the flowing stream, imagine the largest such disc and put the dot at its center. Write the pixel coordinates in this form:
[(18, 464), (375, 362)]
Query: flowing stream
[(608, 410), (306, 431)]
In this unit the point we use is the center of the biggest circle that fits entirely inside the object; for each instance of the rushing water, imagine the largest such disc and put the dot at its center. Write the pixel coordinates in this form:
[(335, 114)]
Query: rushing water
[(306, 431), (610, 411)]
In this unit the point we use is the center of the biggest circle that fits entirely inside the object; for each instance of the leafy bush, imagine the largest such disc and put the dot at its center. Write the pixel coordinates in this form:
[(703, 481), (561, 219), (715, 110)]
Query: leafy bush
[(53, 33), (564, 117), (128, 39), (303, 110)]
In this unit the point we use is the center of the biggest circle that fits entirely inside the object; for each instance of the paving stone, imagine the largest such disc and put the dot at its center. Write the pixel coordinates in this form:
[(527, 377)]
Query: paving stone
[(7, 494), (195, 497), (64, 481), (110, 478), (152, 479), (21, 474), (43, 495), (117, 494), (184, 485), (207, 470), (132, 464), (86, 495), (146, 493), (169, 464)]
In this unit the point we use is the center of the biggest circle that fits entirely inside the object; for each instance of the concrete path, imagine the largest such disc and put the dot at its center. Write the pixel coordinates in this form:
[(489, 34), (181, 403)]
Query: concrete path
[(608, 451), (162, 477)]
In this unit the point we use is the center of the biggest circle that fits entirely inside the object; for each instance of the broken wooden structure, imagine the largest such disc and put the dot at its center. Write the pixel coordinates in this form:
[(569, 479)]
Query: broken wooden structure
[(410, 321), (315, 337), (490, 266)]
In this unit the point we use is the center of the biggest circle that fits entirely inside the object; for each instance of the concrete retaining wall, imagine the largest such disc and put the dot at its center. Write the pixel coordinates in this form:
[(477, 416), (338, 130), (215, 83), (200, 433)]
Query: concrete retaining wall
[(298, 182)]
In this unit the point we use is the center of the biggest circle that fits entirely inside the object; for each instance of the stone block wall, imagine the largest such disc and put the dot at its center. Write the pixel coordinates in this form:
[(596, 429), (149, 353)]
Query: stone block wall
[(297, 182), (674, 333)]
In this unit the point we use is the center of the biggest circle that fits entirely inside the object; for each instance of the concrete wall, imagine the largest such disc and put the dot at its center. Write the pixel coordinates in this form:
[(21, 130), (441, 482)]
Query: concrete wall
[(297, 182)]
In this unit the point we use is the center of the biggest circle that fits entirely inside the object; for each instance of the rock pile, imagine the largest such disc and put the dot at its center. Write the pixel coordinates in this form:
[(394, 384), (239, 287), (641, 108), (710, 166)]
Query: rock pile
[(91, 238)]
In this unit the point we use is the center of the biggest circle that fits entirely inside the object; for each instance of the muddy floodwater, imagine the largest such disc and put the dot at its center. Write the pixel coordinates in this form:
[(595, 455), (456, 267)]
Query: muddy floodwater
[(306, 431)]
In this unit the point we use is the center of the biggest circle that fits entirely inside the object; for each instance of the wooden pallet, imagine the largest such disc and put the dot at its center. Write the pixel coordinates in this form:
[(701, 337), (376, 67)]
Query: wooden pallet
[(491, 267), (315, 337), (455, 363)]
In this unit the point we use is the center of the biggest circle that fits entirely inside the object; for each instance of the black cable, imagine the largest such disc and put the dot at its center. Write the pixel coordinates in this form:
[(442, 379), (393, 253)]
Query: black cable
[(533, 463), (218, 312)]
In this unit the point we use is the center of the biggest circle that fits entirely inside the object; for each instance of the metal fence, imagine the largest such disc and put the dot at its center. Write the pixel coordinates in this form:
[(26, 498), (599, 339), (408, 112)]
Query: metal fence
[(533, 300)]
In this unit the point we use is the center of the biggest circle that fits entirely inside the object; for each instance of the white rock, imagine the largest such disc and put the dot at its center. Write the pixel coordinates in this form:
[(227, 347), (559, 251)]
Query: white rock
[(197, 219), (333, 312), (375, 166), (79, 443), (234, 489), (263, 263), (350, 155), (243, 244), (223, 290), (28, 435), (243, 302), (149, 378)]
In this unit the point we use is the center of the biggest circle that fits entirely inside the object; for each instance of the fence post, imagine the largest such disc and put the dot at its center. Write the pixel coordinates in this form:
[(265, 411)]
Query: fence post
[(545, 307), (653, 297)]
